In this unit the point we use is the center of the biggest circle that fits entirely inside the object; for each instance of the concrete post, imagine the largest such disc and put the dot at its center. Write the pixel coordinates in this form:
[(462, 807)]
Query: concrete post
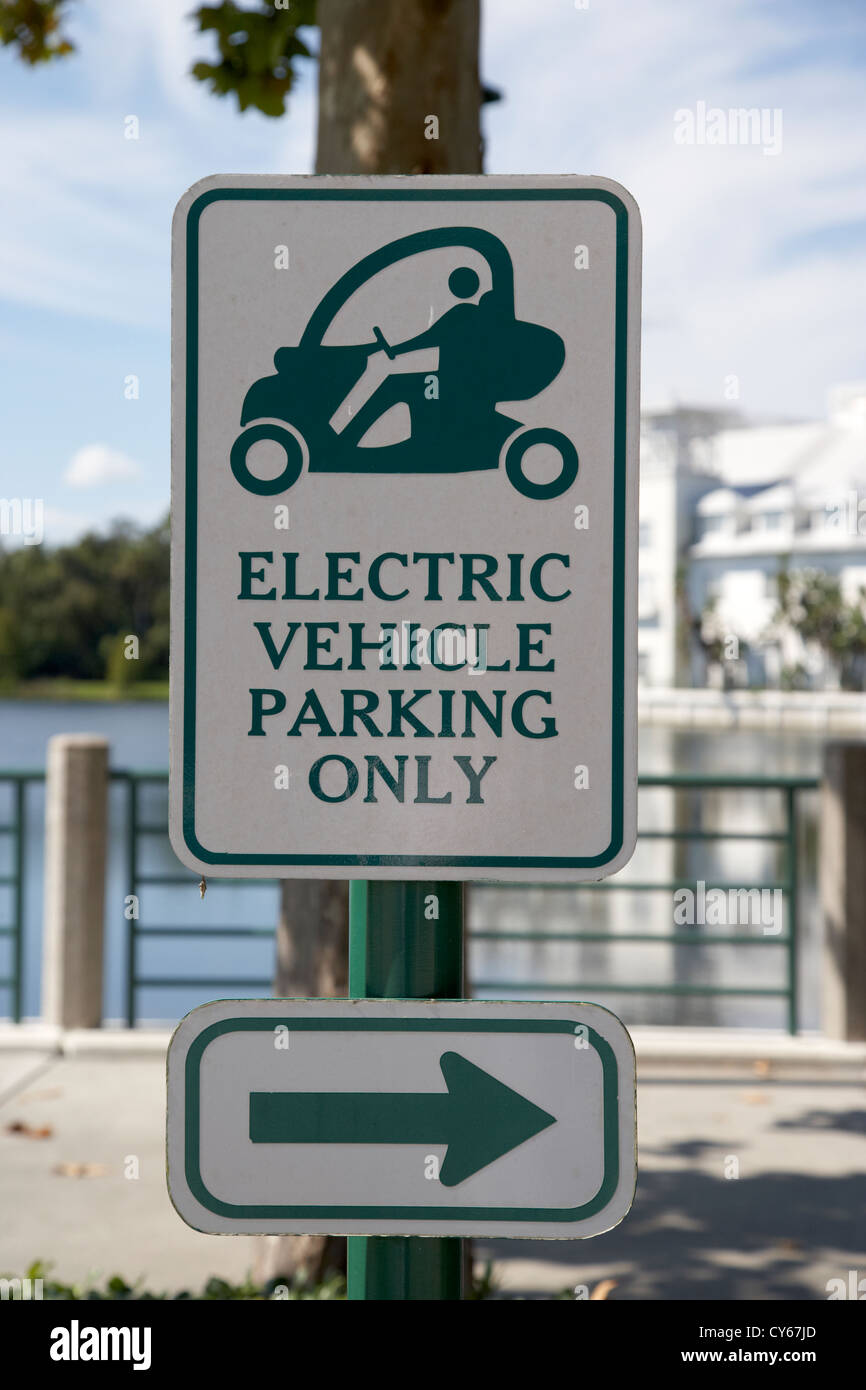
[(76, 816), (842, 886)]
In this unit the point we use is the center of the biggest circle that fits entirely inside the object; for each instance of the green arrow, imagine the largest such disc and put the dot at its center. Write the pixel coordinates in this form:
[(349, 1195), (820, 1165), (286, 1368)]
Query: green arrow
[(479, 1118)]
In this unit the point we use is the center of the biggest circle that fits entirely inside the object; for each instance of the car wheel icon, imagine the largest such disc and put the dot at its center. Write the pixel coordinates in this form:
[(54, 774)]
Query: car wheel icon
[(516, 450), (289, 441)]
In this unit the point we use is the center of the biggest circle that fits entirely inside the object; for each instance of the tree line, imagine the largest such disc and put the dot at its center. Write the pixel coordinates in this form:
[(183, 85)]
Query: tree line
[(69, 610)]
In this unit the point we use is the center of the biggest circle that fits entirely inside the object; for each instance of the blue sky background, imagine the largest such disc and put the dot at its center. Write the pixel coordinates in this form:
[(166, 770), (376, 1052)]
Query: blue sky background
[(755, 265)]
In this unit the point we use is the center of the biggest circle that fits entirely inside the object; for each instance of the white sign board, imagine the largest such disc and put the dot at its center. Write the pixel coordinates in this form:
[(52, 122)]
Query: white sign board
[(404, 525), (386, 1117)]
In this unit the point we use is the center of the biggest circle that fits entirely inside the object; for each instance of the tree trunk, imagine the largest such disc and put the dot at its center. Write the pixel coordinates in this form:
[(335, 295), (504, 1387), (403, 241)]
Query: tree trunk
[(312, 963), (313, 940), (386, 67)]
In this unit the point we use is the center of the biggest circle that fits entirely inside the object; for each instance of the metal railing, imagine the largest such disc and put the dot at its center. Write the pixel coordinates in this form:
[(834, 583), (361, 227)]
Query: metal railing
[(139, 934), (139, 828), (787, 883), (12, 831)]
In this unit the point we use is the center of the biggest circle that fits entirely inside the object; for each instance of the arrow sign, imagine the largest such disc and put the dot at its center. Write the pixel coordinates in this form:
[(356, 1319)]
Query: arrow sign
[(479, 1118), (318, 1116)]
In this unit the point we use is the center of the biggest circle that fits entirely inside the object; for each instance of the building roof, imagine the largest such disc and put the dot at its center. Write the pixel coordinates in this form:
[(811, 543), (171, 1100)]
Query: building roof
[(839, 468), (779, 497), (722, 501), (764, 454)]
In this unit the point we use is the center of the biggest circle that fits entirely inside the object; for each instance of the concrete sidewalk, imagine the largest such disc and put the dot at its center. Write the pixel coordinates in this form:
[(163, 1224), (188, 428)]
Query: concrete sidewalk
[(788, 1114)]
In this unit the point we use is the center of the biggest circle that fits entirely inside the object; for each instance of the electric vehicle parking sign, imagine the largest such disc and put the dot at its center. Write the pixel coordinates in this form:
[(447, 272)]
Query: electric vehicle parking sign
[(404, 527)]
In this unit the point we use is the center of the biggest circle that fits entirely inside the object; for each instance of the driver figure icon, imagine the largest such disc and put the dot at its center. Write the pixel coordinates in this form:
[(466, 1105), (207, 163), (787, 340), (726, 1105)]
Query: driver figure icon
[(326, 406)]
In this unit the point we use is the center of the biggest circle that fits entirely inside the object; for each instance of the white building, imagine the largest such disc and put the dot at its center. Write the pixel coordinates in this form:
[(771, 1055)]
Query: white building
[(723, 510), (673, 479)]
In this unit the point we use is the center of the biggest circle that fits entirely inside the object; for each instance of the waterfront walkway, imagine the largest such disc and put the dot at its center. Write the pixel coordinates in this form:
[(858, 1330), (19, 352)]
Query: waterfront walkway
[(788, 1114)]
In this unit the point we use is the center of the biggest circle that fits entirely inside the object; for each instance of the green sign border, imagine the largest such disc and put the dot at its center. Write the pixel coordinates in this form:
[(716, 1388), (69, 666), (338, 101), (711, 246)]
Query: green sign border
[(457, 195), (192, 1120)]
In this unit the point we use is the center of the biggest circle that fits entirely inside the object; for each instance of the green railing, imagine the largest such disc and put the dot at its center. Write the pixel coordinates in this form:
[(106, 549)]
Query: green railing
[(139, 828), (139, 933), (12, 830), (788, 787)]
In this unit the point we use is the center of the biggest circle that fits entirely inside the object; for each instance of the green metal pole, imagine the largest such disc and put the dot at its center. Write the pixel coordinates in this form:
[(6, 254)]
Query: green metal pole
[(132, 879), (405, 942), (793, 908), (18, 935)]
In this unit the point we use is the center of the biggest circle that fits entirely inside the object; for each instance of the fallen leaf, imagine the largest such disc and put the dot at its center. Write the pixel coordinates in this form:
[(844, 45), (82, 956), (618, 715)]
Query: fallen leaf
[(602, 1290), (80, 1170), (51, 1094), (761, 1067), (29, 1131), (755, 1098)]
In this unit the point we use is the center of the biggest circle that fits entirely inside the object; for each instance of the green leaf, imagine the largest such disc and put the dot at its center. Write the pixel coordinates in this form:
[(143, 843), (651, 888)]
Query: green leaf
[(33, 27), (257, 48)]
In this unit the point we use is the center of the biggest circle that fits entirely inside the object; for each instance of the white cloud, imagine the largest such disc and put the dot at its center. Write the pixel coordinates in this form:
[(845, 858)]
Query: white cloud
[(741, 274), (62, 527), (87, 211), (97, 464)]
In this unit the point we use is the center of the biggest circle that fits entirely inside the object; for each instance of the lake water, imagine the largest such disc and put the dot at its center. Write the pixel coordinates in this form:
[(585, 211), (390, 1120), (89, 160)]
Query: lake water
[(138, 733)]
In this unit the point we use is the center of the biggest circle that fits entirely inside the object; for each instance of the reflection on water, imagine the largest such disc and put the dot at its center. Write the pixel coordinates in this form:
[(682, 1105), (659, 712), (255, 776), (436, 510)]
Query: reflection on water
[(564, 969), (589, 969)]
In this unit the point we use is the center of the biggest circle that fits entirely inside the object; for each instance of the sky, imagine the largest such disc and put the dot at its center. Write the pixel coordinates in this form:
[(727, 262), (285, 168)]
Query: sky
[(754, 253)]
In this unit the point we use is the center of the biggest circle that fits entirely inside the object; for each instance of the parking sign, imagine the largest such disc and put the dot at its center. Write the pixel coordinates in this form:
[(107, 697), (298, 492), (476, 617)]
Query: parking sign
[(404, 527)]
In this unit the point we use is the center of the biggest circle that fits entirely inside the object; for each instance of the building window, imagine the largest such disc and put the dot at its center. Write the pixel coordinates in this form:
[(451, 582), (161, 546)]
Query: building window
[(708, 524)]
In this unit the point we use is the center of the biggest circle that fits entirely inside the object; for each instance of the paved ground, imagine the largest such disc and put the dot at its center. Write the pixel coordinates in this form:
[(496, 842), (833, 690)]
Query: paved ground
[(794, 1218)]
